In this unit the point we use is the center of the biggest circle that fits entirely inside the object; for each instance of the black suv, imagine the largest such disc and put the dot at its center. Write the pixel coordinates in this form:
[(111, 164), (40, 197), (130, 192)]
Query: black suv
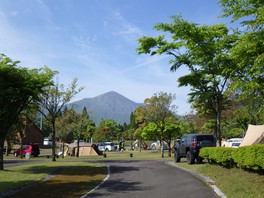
[(189, 146)]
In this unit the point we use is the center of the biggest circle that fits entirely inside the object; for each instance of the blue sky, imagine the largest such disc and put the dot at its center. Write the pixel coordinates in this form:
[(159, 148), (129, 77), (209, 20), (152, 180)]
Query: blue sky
[(95, 41)]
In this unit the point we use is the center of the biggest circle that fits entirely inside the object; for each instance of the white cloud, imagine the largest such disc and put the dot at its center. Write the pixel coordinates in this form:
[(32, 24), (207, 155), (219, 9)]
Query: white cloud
[(126, 30)]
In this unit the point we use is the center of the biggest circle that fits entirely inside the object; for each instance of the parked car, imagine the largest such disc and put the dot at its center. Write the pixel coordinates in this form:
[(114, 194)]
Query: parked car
[(156, 146), (106, 146), (189, 146), (32, 149), (235, 144), (47, 142), (232, 142)]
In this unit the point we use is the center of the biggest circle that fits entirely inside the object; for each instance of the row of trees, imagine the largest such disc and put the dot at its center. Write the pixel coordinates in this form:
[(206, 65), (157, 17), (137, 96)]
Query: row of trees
[(226, 81), (79, 125), (26, 90), (226, 65)]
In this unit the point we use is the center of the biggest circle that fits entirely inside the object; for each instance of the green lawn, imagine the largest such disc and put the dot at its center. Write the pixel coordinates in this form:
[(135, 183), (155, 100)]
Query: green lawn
[(232, 182)]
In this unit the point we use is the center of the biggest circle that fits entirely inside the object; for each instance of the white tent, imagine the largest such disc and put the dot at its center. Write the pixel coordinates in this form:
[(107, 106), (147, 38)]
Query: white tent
[(254, 135)]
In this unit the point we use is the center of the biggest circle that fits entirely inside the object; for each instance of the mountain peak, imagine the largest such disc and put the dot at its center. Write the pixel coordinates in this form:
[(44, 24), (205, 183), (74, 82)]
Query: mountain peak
[(113, 95), (110, 105)]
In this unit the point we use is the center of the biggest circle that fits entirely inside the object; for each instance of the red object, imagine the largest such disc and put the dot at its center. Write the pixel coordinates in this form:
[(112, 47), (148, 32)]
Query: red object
[(194, 144), (32, 149)]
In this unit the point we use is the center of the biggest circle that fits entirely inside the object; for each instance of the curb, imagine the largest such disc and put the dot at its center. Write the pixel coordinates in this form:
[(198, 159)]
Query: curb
[(205, 179)]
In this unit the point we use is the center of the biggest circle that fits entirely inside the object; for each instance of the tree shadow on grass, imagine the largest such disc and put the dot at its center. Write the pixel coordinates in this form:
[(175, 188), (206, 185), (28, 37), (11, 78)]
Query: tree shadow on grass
[(67, 182), (63, 182), (55, 189)]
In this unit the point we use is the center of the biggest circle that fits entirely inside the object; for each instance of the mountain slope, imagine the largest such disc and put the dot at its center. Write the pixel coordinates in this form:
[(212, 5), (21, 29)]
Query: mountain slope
[(110, 105)]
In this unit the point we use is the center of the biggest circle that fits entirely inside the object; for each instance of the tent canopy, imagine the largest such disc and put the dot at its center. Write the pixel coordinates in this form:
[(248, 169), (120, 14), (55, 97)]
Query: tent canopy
[(254, 135), (85, 149)]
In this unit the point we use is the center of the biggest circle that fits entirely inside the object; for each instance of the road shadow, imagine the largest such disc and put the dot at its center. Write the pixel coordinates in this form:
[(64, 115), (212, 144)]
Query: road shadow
[(120, 185)]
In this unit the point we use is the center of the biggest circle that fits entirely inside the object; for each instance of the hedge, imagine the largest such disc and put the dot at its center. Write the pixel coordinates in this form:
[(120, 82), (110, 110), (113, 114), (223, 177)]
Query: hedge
[(218, 155), (250, 157)]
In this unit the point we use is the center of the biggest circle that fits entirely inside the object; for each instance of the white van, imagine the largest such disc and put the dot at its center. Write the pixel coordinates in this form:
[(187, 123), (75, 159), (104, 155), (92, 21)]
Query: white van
[(47, 142), (106, 146)]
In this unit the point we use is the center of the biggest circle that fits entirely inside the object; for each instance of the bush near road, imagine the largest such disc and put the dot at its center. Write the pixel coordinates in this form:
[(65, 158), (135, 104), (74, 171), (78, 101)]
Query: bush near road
[(246, 157)]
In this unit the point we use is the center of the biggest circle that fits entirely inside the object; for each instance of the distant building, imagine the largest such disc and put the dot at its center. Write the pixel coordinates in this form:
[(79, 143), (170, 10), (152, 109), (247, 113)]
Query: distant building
[(30, 134)]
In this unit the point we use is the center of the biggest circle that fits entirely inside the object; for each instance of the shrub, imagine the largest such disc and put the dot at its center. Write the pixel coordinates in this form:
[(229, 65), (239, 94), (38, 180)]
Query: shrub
[(250, 156), (218, 155)]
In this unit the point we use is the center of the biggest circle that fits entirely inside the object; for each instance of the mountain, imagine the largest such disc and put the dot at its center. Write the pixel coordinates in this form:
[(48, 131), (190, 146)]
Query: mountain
[(110, 105)]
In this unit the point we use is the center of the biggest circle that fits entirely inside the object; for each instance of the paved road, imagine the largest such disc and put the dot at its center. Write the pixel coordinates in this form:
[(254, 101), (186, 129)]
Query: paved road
[(150, 179), (19, 162)]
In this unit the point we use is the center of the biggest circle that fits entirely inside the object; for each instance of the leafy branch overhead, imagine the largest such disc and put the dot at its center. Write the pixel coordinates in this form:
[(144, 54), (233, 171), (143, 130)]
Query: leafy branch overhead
[(17, 95), (204, 51)]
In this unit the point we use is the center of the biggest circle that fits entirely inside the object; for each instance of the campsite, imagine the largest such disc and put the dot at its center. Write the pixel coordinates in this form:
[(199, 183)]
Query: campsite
[(85, 149)]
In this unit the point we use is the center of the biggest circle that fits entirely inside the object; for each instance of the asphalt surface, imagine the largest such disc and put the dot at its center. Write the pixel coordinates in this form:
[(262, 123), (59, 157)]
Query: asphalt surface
[(19, 162), (150, 179)]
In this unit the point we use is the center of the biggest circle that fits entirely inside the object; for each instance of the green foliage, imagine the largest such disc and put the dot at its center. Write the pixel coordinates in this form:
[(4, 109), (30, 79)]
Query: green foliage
[(249, 157), (53, 102), (218, 59), (250, 11), (139, 115), (204, 50), (106, 131), (150, 132), (187, 127), (156, 119), (172, 129), (84, 126), (19, 88), (234, 132), (65, 124), (247, 54), (161, 123), (220, 155)]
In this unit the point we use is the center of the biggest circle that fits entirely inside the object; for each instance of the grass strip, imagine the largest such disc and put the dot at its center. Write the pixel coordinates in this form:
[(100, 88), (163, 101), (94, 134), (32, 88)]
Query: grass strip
[(234, 182), (74, 179)]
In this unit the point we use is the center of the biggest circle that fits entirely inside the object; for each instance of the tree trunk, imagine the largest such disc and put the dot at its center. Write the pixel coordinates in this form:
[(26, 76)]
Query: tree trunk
[(22, 134), (219, 137), (21, 149), (62, 149), (169, 145), (8, 147), (139, 145), (2, 141), (53, 141), (161, 149), (218, 121), (78, 146)]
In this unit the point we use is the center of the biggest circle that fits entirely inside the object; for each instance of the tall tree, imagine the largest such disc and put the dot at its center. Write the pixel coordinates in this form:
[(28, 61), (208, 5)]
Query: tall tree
[(65, 125), (131, 129), (107, 130), (53, 102), (248, 53), (160, 110), (140, 123), (18, 88), (204, 50), (84, 127)]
